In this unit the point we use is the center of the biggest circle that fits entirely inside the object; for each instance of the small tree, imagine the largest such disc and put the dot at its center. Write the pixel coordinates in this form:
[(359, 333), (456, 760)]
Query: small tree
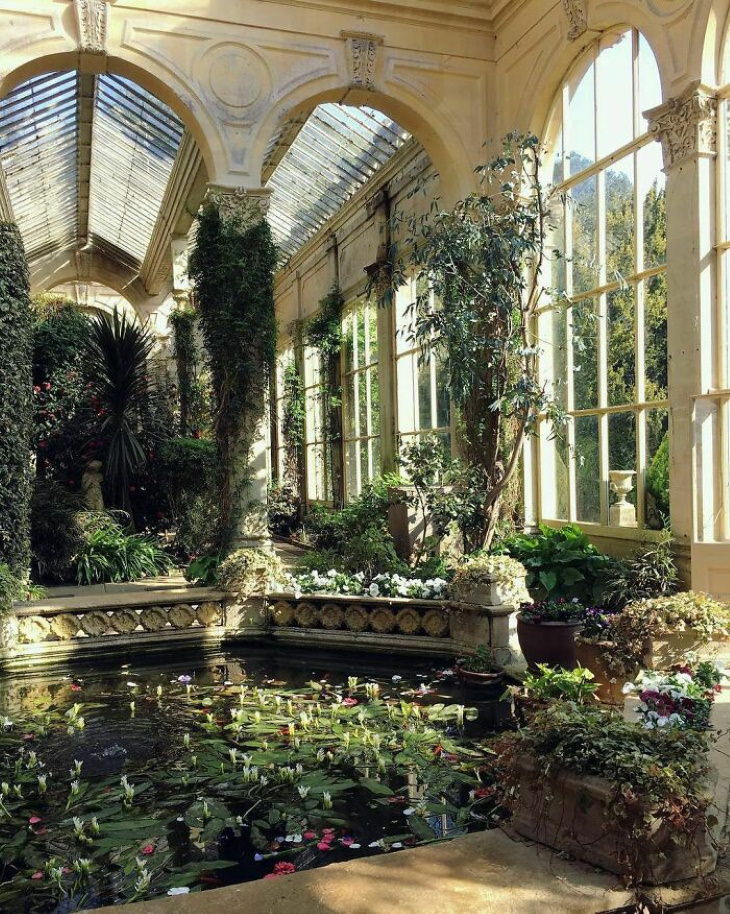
[(16, 410), (483, 261)]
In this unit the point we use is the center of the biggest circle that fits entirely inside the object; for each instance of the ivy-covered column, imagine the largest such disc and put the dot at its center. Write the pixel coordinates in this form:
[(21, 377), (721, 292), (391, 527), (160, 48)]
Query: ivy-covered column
[(16, 359), (232, 268)]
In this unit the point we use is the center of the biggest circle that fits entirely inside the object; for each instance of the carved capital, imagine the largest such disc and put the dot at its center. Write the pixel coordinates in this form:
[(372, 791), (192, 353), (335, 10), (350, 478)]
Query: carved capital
[(247, 205), (362, 52), (686, 125), (575, 10), (92, 17)]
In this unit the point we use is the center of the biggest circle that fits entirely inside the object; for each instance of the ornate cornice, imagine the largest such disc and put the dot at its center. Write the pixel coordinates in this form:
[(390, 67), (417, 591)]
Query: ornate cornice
[(575, 10), (92, 17), (686, 125), (247, 205), (362, 52)]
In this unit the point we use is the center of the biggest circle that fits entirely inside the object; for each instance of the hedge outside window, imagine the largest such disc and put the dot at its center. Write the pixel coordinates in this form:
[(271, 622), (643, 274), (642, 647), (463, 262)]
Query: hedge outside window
[(361, 396), (606, 354), (319, 483), (422, 396), (284, 360)]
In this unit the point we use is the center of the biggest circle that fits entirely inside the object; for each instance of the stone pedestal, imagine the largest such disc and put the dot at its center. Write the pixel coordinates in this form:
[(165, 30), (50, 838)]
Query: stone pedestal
[(477, 624)]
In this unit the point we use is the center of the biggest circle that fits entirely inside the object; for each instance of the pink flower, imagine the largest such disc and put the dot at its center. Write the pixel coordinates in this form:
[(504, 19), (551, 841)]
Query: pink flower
[(28, 736), (75, 688), (37, 875), (347, 841), (350, 702), (309, 835), (148, 849), (284, 869), (35, 820), (324, 846)]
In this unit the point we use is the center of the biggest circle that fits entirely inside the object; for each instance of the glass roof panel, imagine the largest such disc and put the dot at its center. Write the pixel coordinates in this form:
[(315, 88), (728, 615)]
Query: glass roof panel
[(38, 138), (136, 139), (335, 153)]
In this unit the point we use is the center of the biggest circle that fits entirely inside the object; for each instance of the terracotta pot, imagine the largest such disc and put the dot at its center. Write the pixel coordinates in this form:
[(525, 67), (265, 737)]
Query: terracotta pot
[(479, 679), (664, 651), (552, 643), (592, 656), (573, 813)]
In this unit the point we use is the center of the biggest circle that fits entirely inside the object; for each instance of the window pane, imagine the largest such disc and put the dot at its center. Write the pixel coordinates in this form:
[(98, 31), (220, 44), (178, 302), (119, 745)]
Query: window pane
[(584, 260), (585, 354), (615, 95), (587, 470), (657, 469), (621, 375), (374, 402), (351, 470), (655, 309), (580, 138), (653, 200), (443, 401), (557, 502), (350, 406), (406, 371), (620, 214), (424, 394), (650, 86), (559, 355), (362, 397)]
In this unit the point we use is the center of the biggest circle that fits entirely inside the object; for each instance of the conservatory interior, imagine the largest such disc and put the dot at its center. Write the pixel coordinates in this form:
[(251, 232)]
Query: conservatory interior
[(364, 455)]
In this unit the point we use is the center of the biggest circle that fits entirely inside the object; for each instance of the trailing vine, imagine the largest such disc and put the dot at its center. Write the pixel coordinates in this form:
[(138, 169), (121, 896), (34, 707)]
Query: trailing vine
[(16, 406), (186, 361), (292, 423), (232, 267), (324, 334)]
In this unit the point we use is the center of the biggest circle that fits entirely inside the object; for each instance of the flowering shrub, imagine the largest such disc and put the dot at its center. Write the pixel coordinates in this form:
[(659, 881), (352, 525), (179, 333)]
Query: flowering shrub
[(681, 699), (567, 611), (382, 585), (597, 624)]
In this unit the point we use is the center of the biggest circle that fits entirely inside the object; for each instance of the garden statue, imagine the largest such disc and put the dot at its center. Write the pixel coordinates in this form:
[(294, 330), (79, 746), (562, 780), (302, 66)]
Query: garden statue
[(622, 512), (91, 483)]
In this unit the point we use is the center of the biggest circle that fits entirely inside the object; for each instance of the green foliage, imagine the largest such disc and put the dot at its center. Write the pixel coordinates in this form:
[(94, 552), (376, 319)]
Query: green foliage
[(561, 563), (203, 571), (232, 267), (284, 510), (292, 424), (554, 610), (550, 684), (323, 332), (483, 261), (109, 555), (480, 661), (60, 335), (119, 353), (12, 589), (185, 351), (16, 414), (650, 572), (56, 530), (657, 477), (189, 472)]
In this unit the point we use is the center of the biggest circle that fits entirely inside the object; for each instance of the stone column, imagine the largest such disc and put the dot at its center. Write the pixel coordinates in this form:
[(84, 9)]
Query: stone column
[(249, 475), (687, 128)]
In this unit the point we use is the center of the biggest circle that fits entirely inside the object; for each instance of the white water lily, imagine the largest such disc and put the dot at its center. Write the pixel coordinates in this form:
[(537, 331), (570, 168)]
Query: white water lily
[(327, 800), (179, 890), (303, 791)]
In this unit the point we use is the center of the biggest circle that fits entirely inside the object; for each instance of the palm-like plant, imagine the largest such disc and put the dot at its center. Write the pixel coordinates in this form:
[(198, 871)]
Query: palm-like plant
[(119, 352)]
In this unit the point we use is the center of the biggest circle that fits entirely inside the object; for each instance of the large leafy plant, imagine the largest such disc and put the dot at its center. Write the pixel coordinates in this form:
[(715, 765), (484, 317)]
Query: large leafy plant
[(118, 364), (483, 261), (15, 401), (111, 555), (561, 563)]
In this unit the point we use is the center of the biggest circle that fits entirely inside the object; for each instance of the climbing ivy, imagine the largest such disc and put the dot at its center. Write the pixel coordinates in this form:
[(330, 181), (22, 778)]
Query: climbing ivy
[(186, 361), (324, 334), (292, 422), (232, 267), (16, 409)]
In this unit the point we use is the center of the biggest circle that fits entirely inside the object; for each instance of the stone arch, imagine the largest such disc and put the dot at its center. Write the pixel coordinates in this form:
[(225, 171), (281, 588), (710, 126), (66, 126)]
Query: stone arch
[(448, 152), (716, 47)]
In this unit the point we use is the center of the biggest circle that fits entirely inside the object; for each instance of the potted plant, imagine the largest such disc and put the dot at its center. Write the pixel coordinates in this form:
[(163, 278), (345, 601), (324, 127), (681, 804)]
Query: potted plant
[(549, 684), (610, 792), (682, 698), (479, 668), (658, 633), (597, 650), (547, 630), (490, 580)]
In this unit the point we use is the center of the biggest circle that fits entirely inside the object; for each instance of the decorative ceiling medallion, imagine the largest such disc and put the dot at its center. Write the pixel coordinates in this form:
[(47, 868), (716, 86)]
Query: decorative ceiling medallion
[(237, 76), (362, 48), (575, 10), (92, 17)]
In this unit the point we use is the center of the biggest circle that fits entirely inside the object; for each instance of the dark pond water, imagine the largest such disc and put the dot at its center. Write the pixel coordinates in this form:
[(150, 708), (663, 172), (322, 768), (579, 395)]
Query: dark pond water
[(133, 781)]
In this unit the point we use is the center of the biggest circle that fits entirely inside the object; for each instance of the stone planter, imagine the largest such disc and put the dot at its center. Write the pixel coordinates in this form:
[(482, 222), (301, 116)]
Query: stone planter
[(592, 656), (483, 680), (572, 813), (552, 643), (661, 652)]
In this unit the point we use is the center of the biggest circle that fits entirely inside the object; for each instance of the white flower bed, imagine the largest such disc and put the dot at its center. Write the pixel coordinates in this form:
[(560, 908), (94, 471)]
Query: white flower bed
[(383, 585)]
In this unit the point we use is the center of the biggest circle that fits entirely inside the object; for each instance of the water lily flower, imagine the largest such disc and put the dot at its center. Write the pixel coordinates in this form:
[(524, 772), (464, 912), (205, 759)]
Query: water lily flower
[(324, 846), (75, 687), (179, 890), (396, 845), (327, 799), (37, 875), (148, 850), (42, 783), (350, 702), (303, 791), (35, 820), (185, 679), (409, 811), (396, 678), (347, 841), (296, 839), (258, 857), (310, 835)]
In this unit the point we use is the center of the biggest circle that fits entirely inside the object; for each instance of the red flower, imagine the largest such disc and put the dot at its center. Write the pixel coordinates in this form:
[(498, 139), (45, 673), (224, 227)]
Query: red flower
[(284, 868), (45, 385), (324, 846), (309, 835), (75, 687), (148, 849), (37, 390), (350, 702)]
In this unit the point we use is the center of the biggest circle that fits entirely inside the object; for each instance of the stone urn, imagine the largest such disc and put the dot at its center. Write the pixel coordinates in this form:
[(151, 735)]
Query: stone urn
[(622, 512)]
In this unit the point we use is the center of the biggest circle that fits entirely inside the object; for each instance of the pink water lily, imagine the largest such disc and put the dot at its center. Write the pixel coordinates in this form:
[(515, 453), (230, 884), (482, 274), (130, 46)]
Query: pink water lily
[(324, 846), (37, 875), (35, 820), (309, 835), (148, 849)]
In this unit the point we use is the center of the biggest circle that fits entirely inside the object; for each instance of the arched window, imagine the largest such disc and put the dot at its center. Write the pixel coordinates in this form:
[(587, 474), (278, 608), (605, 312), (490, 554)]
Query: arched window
[(604, 333)]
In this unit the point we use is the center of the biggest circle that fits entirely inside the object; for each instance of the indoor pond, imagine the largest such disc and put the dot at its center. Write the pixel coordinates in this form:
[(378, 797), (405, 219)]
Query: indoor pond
[(133, 782)]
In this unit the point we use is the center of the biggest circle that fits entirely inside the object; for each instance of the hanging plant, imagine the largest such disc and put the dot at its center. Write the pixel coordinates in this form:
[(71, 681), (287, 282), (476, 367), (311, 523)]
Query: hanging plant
[(186, 362), (292, 422), (232, 267), (16, 408)]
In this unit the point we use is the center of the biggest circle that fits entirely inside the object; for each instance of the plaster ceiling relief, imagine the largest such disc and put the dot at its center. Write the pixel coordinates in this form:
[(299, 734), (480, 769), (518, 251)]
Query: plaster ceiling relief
[(19, 29), (295, 64), (236, 75), (92, 17), (668, 8)]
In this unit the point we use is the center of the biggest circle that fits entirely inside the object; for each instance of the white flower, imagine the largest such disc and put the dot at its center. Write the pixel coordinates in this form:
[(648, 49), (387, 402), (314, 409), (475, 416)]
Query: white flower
[(627, 688), (303, 791), (409, 811), (374, 590), (179, 890)]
